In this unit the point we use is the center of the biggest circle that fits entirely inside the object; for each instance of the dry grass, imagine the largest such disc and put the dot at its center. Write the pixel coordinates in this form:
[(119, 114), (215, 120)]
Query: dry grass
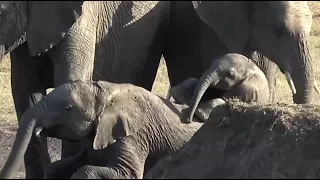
[(7, 111), (161, 83)]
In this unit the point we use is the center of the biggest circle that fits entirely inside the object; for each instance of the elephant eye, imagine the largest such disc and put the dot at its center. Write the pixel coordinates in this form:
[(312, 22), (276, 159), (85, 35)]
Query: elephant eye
[(67, 107)]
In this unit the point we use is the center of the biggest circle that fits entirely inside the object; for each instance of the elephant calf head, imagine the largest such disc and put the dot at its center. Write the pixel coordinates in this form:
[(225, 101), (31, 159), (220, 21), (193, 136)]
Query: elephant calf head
[(235, 74), (133, 119)]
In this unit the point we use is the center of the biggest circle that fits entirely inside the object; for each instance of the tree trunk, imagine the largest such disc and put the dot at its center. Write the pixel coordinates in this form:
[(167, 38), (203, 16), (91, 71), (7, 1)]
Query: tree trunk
[(249, 141)]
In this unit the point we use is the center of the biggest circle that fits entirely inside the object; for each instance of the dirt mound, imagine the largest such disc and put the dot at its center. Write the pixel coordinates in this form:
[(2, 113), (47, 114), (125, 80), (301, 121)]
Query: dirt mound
[(250, 141)]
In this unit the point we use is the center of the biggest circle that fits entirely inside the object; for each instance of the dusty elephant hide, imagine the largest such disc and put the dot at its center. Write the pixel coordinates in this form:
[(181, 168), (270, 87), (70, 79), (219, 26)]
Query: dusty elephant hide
[(249, 141)]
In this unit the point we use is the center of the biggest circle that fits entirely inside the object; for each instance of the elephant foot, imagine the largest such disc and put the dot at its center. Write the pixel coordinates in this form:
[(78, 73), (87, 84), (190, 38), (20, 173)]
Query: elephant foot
[(64, 168), (37, 150), (96, 172), (34, 172)]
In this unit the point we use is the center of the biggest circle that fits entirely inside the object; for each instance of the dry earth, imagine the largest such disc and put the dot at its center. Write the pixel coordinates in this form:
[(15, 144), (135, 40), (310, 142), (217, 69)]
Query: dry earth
[(8, 117), (249, 141)]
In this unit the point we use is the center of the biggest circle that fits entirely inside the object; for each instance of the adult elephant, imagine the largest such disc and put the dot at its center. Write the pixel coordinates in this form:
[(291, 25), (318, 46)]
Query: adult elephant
[(53, 42), (277, 29), (130, 126)]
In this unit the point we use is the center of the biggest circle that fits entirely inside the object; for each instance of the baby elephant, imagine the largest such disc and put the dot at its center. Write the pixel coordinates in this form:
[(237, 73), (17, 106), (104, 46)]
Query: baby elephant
[(236, 76), (134, 126), (183, 92)]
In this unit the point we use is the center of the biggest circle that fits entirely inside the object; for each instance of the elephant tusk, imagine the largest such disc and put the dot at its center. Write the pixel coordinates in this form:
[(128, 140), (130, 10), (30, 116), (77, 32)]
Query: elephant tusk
[(38, 131), (316, 87), (290, 82)]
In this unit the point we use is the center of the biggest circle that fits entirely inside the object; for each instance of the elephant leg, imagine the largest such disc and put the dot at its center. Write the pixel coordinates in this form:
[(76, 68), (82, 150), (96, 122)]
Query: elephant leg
[(69, 148), (97, 172), (64, 168), (270, 71), (271, 77), (125, 160), (28, 85), (149, 71), (71, 63), (189, 51), (269, 68)]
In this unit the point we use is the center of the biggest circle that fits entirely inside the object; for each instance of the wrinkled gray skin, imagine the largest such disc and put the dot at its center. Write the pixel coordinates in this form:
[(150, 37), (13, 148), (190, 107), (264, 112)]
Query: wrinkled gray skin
[(268, 67), (270, 70), (73, 39), (137, 124), (183, 92), (230, 76), (237, 76), (277, 29), (113, 31), (243, 141)]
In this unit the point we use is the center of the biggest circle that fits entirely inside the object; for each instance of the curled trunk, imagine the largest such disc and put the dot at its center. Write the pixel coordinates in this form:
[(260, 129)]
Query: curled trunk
[(24, 133), (210, 78)]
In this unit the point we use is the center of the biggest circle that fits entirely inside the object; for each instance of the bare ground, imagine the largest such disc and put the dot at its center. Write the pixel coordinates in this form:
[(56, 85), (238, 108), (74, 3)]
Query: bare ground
[(8, 116)]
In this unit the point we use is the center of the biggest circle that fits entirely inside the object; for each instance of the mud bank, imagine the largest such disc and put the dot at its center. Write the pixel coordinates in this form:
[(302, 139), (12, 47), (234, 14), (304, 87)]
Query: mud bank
[(250, 141)]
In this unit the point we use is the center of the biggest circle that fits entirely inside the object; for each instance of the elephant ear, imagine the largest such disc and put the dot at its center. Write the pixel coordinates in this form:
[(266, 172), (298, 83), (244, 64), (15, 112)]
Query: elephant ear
[(48, 22), (110, 128), (229, 19)]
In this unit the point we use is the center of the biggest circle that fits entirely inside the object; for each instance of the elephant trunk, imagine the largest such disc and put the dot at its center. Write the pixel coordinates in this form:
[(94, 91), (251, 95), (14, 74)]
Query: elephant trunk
[(209, 78), (24, 133), (304, 82)]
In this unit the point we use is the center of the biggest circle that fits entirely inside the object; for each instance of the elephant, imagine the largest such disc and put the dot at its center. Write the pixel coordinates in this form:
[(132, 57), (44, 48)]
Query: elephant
[(249, 141), (270, 70), (279, 30), (135, 123), (230, 76), (51, 43), (235, 74), (183, 92)]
